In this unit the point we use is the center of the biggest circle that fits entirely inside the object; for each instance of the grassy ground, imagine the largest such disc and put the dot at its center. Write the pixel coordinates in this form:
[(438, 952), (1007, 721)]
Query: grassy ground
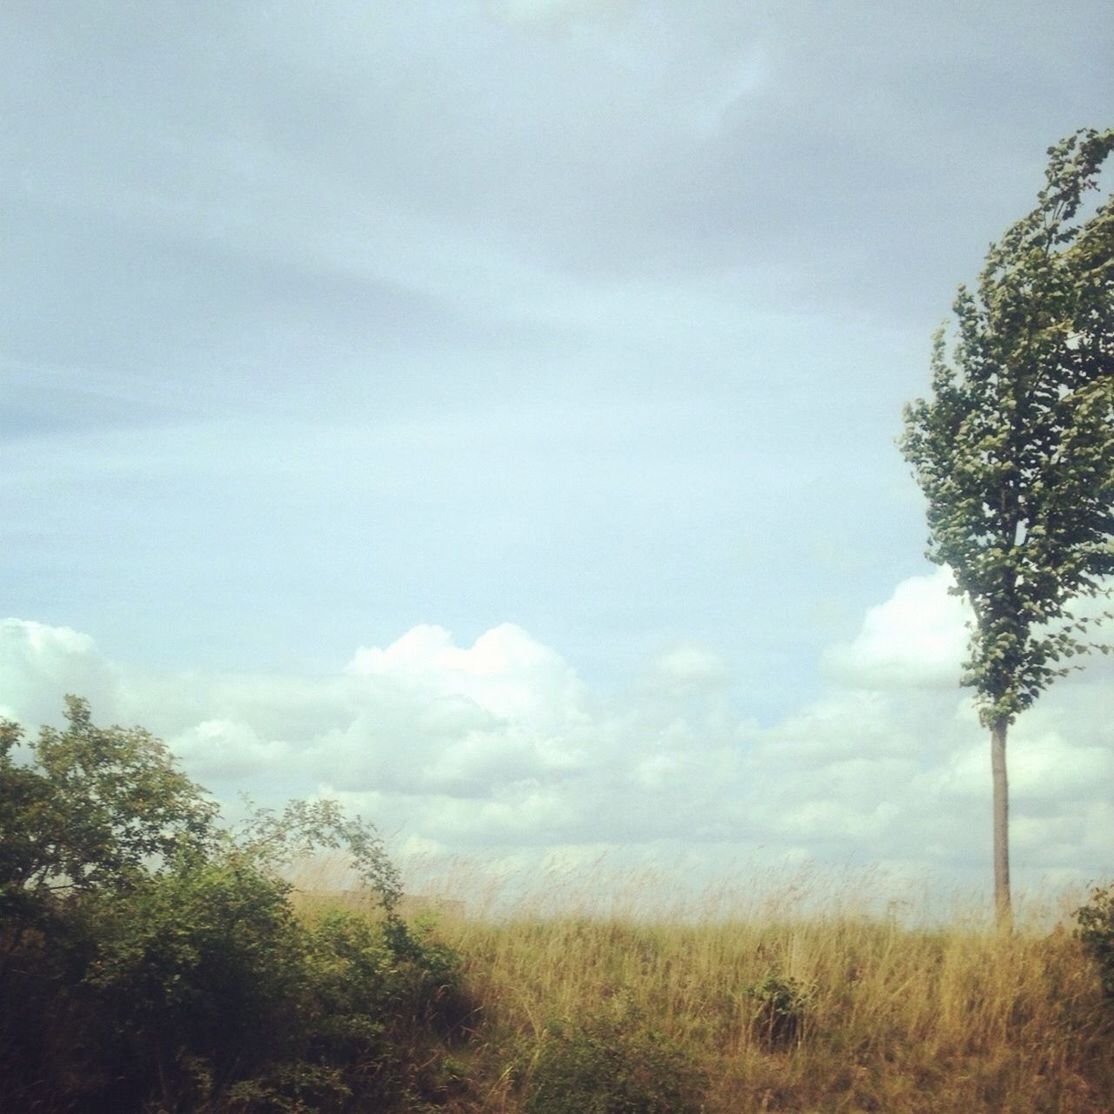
[(811, 1012)]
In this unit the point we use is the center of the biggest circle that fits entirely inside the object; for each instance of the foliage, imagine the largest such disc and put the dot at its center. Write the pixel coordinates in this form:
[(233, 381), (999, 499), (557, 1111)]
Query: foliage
[(290, 1088), (1096, 931), (277, 839), (149, 955), (192, 961), (91, 809), (781, 1005), (610, 1063), (1016, 450)]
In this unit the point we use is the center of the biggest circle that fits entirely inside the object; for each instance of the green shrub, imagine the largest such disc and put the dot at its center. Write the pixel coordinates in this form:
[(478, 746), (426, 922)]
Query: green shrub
[(1096, 931), (150, 959), (197, 966), (611, 1063), (381, 1000), (209, 991), (781, 1008), (291, 1088)]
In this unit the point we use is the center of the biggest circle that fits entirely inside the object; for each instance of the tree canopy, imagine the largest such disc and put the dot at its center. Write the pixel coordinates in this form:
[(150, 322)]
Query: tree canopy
[(95, 807)]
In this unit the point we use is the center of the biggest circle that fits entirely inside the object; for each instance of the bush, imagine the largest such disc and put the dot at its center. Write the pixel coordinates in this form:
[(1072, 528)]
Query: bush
[(611, 1063), (780, 1010), (199, 966), (381, 1002), (150, 959), (1096, 931)]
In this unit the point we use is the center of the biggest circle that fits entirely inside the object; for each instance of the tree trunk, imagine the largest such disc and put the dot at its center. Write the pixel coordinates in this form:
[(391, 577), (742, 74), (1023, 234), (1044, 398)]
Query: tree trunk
[(1003, 908)]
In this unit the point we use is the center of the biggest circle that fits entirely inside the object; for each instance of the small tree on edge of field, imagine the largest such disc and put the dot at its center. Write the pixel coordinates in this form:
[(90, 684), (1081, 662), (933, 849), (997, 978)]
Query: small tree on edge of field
[(1015, 452)]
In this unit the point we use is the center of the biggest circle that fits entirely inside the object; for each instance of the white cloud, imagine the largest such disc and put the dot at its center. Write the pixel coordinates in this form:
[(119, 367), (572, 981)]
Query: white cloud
[(40, 664), (505, 672), (917, 638), (1051, 769), (224, 749), (846, 723)]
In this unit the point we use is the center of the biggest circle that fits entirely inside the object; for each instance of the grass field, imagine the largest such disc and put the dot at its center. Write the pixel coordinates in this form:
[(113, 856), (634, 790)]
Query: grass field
[(813, 1010)]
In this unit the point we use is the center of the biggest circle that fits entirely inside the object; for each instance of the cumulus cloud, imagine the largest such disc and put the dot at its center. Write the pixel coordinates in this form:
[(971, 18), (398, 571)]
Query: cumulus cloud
[(227, 750), (916, 639), (40, 664), (505, 672)]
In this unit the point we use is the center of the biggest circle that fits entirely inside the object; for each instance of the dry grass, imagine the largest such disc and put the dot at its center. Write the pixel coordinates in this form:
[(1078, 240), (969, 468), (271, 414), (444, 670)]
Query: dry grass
[(897, 1018)]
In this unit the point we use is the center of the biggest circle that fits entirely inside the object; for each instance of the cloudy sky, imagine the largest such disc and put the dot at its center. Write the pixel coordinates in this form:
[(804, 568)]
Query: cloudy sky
[(485, 412)]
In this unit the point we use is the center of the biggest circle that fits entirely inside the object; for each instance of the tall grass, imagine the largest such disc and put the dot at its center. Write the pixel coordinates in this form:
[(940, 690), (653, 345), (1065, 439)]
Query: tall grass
[(888, 1017)]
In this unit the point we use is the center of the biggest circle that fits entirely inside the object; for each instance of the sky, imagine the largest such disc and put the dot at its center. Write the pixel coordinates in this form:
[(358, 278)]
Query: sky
[(484, 412)]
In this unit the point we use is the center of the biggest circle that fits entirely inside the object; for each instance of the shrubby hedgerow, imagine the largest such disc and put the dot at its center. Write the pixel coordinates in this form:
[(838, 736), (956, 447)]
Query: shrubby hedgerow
[(150, 957)]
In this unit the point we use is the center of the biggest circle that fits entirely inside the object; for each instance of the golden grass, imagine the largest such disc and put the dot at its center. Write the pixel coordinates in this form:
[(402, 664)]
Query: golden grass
[(950, 1018)]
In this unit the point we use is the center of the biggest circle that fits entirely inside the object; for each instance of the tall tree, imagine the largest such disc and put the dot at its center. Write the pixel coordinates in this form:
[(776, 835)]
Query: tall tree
[(1015, 451)]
